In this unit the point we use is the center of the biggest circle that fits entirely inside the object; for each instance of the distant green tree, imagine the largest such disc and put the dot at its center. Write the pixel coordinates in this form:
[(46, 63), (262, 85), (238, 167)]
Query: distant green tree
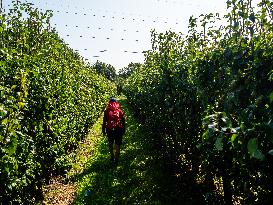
[(106, 70), (124, 73), (127, 71)]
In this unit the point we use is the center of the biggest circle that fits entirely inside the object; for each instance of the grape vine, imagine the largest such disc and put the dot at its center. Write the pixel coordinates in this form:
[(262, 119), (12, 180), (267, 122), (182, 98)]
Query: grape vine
[(207, 99), (49, 97)]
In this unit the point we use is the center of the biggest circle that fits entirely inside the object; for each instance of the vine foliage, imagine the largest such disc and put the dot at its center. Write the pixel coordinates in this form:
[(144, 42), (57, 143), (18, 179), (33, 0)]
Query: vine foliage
[(48, 99), (207, 98)]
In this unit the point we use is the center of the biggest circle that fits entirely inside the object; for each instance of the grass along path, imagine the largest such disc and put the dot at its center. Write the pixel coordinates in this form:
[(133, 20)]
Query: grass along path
[(139, 178)]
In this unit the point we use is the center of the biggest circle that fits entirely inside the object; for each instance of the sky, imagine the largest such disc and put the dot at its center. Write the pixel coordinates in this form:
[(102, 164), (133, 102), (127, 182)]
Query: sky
[(117, 32)]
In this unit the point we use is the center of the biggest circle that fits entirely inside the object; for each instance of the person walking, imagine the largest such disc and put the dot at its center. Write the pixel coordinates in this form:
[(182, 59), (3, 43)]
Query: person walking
[(114, 127)]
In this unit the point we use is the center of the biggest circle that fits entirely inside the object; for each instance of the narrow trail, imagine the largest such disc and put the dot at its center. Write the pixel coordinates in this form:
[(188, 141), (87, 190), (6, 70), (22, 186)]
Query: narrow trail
[(138, 178)]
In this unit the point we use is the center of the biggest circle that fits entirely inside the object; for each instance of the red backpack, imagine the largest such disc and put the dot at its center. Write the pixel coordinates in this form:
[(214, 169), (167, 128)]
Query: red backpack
[(114, 115)]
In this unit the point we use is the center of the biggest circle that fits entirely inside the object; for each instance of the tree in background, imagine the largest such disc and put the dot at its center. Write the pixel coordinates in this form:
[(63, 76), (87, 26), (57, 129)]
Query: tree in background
[(106, 70), (127, 71)]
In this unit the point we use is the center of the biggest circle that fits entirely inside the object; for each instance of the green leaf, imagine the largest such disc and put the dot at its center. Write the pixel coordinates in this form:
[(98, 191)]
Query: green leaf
[(219, 143), (259, 155), (253, 150), (252, 145), (233, 137), (13, 87), (4, 121), (21, 105), (271, 97)]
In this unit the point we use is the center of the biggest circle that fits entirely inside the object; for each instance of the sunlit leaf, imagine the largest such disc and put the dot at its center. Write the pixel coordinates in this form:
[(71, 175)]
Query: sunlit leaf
[(233, 138)]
